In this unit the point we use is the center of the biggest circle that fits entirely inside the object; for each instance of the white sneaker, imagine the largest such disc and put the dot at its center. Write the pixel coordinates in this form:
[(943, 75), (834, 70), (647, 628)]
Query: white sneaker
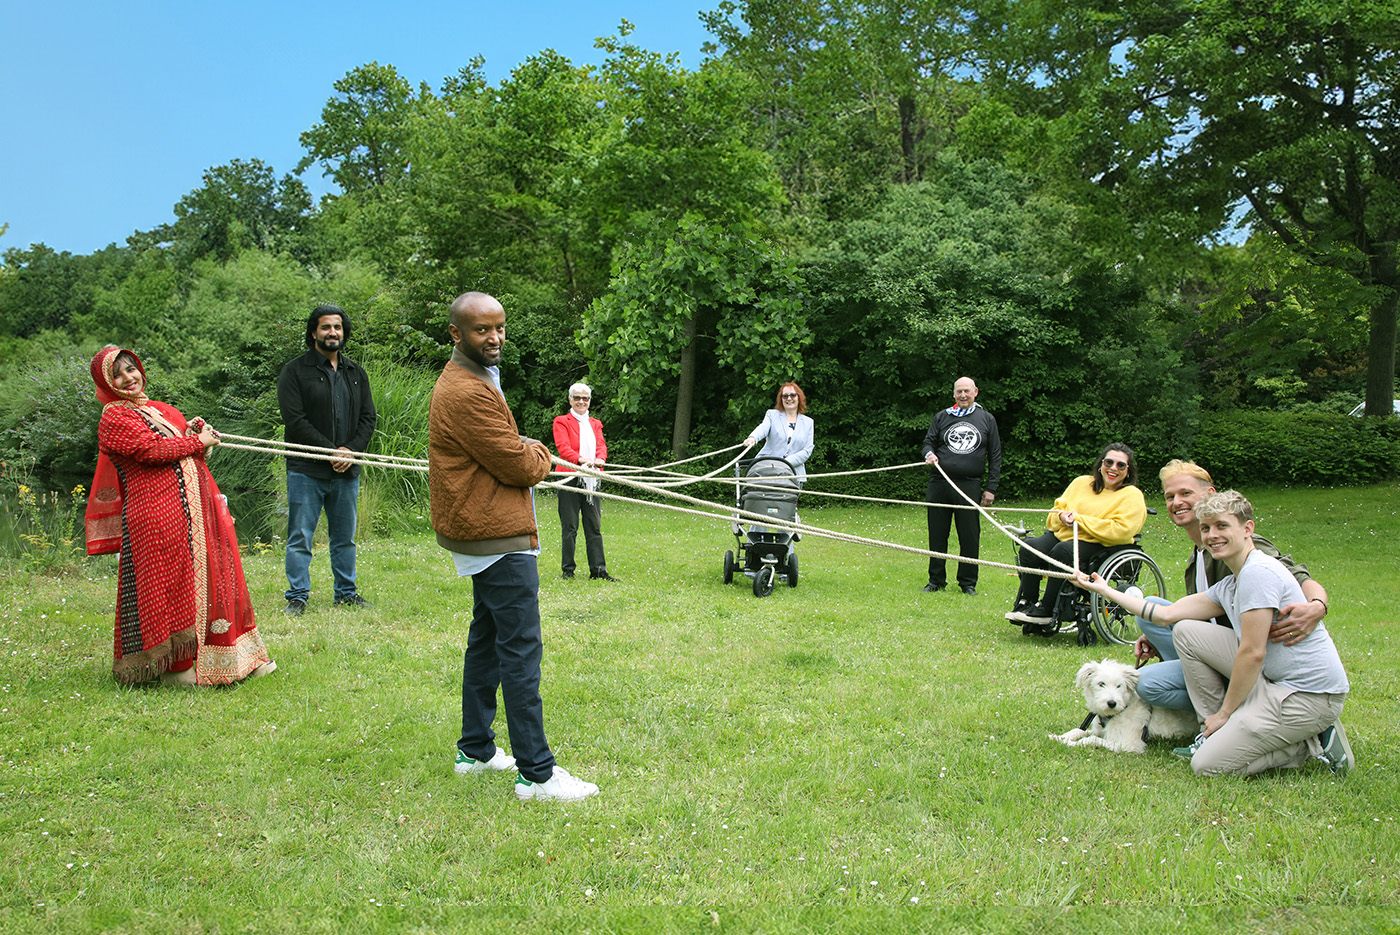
[(500, 762), (560, 787)]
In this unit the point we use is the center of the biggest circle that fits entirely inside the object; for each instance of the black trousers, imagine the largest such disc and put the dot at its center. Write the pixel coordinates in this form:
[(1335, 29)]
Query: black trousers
[(941, 518), (1048, 544), (574, 504)]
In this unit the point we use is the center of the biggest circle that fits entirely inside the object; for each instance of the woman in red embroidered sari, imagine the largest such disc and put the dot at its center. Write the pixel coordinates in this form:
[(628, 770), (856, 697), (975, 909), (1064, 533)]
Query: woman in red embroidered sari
[(183, 611)]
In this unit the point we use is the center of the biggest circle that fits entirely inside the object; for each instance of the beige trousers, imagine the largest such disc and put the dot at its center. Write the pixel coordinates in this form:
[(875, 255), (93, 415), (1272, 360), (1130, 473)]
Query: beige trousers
[(1276, 726)]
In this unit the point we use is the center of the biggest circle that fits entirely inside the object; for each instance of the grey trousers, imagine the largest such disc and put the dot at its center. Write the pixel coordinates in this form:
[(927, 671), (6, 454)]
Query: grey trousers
[(1276, 726)]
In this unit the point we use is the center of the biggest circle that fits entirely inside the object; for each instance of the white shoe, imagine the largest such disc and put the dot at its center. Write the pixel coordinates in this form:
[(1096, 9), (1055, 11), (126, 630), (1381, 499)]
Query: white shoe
[(560, 787), (499, 763)]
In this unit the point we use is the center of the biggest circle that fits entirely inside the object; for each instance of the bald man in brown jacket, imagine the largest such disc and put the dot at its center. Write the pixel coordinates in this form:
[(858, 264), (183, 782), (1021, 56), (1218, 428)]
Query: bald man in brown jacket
[(480, 474)]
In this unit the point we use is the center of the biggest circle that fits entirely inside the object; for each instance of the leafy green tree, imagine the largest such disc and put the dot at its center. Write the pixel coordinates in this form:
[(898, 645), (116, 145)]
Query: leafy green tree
[(241, 205), (854, 96), (1200, 113), (129, 310), (362, 140), (693, 297), (976, 273), (42, 289), (497, 179)]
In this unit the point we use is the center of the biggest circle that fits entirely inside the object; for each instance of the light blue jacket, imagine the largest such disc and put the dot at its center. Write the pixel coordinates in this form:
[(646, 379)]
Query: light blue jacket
[(773, 433)]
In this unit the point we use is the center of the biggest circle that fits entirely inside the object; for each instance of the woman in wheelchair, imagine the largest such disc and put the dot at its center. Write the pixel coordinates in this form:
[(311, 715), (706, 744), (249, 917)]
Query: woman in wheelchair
[(1109, 510)]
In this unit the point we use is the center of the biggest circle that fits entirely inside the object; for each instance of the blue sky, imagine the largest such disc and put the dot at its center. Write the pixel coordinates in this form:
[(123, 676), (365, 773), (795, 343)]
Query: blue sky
[(112, 111)]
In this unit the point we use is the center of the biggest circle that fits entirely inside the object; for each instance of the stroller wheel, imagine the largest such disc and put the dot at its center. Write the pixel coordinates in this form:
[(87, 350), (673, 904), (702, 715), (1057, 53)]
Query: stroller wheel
[(763, 581), (792, 569), (729, 567)]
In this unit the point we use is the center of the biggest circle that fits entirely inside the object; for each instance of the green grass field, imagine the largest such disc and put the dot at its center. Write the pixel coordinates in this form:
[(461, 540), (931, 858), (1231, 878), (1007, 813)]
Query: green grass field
[(851, 754)]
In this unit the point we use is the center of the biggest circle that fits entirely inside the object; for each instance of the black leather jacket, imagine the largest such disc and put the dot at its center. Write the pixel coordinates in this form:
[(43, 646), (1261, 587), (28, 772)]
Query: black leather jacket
[(304, 396)]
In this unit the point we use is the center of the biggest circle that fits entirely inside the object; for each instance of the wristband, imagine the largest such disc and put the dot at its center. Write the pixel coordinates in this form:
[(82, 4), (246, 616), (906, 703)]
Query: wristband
[(1323, 603)]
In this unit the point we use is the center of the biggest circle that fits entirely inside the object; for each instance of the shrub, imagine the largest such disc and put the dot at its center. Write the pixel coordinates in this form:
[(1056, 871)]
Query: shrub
[(1251, 448)]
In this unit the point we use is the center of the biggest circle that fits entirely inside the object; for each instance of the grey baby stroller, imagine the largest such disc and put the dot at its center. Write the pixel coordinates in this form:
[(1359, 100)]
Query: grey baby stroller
[(765, 555)]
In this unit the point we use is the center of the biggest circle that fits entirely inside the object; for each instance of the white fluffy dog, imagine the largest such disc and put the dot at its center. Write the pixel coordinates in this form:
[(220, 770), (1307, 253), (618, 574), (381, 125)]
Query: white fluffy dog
[(1118, 718)]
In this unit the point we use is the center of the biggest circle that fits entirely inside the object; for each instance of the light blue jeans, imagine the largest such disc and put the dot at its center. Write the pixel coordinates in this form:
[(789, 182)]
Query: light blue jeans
[(1162, 684), (306, 497)]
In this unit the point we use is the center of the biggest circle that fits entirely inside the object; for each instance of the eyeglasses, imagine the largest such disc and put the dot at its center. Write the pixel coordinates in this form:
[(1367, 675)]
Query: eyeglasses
[(1120, 465), (789, 396), (584, 398)]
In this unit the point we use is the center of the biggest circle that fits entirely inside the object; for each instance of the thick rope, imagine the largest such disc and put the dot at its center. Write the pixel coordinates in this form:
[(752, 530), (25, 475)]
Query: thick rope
[(1074, 532), (729, 514), (356, 457), (314, 448), (735, 513), (628, 468)]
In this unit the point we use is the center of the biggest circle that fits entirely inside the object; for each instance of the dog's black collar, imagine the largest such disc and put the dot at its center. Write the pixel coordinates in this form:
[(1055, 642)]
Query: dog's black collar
[(1089, 720)]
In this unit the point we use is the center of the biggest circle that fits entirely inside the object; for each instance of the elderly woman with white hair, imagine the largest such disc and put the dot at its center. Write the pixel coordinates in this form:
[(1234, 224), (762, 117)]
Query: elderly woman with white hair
[(579, 440)]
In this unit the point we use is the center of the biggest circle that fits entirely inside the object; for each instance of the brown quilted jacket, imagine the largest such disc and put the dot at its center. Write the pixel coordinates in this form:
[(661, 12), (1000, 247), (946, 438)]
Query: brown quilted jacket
[(480, 471)]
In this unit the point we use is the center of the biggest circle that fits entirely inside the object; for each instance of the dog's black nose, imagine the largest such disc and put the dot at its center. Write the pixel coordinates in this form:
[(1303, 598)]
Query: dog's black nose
[(1113, 704)]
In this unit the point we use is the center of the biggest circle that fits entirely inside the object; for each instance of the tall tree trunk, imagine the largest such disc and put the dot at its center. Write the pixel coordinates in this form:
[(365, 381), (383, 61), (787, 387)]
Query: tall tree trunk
[(685, 394), (908, 137), (1380, 366)]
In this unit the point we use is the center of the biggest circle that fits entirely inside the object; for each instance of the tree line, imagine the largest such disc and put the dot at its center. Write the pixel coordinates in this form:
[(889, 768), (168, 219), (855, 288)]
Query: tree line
[(1119, 219)]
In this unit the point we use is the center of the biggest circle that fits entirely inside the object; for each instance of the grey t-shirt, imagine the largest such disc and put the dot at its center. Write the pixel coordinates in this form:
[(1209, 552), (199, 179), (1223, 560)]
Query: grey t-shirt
[(1311, 665)]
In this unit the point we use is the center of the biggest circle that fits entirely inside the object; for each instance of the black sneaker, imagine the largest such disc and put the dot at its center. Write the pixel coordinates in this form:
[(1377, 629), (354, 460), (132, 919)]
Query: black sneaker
[(294, 608), (1035, 613), (354, 600), (603, 577), (931, 587)]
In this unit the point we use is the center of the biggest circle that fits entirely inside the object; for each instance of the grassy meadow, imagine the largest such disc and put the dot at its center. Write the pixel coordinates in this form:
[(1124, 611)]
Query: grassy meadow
[(852, 754)]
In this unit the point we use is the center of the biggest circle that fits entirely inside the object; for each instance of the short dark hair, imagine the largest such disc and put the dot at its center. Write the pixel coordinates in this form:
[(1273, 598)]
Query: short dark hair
[(1129, 481), (321, 311)]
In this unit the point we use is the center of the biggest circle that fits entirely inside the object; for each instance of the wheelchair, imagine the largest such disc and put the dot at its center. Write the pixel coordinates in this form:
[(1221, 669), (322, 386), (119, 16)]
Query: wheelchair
[(1092, 616)]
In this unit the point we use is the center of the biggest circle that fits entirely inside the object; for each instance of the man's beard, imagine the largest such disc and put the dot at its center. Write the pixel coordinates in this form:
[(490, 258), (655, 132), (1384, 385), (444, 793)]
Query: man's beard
[(329, 344)]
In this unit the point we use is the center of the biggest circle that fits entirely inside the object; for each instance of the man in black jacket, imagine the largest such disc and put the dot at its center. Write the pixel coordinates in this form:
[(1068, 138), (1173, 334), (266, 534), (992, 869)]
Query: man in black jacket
[(964, 440), (326, 403)]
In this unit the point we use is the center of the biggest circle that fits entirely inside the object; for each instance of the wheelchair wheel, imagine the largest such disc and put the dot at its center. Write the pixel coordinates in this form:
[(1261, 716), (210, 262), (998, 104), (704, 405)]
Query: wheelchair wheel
[(728, 567), (1122, 570), (763, 581)]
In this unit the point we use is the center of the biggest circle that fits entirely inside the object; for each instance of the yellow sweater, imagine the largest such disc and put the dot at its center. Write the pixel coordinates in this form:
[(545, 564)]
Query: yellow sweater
[(1109, 518)]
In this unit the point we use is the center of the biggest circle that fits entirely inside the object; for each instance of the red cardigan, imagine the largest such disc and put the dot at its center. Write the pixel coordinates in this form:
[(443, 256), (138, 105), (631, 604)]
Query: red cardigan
[(566, 439)]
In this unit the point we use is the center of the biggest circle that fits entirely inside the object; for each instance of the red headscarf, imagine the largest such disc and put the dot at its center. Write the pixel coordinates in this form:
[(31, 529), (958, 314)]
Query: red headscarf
[(107, 392), (104, 507)]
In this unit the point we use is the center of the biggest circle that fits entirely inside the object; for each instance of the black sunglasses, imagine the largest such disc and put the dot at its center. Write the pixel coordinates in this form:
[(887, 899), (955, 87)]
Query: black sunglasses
[(1121, 465)]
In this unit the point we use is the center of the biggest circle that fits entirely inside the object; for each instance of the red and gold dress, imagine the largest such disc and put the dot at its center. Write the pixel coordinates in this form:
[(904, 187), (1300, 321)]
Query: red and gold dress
[(181, 595)]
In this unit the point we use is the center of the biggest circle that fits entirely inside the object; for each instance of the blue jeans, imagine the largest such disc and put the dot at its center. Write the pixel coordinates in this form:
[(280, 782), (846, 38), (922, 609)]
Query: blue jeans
[(504, 648), (1162, 684), (306, 497)]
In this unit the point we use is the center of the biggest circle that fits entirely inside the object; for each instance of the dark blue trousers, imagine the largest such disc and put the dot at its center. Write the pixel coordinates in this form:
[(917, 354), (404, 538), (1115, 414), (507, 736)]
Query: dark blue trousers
[(504, 648)]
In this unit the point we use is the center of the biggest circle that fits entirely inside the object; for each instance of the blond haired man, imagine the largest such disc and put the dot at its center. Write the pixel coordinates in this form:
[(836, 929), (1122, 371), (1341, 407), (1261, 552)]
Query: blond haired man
[(1185, 484)]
